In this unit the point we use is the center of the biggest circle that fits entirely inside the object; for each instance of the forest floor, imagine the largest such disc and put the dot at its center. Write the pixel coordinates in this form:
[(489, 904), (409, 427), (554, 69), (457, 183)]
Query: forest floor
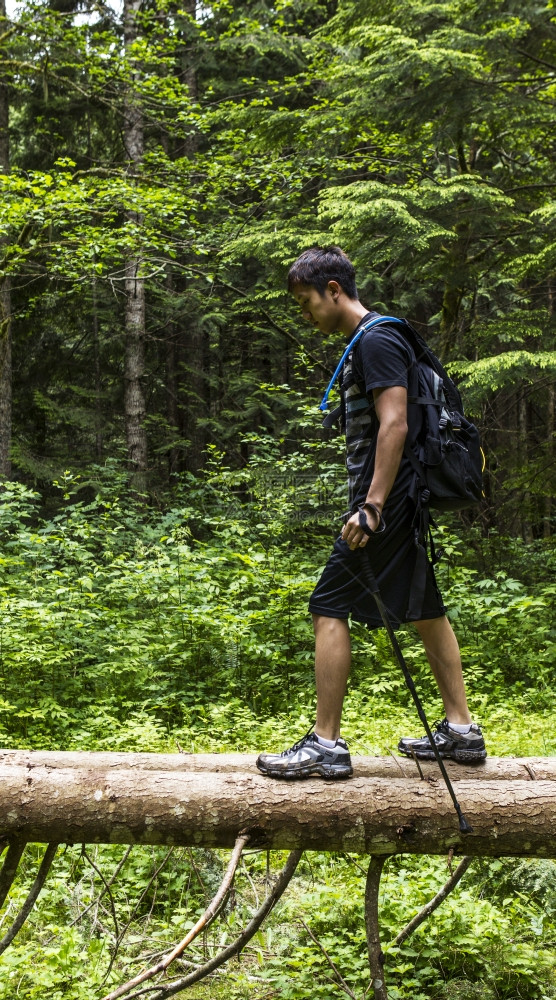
[(493, 939)]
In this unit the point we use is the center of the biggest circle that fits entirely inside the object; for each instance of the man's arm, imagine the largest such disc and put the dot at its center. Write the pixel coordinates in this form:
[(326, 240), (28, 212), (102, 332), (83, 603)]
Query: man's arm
[(391, 411)]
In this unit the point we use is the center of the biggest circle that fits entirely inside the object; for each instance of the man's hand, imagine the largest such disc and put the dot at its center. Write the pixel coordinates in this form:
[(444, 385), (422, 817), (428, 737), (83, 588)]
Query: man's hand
[(353, 534)]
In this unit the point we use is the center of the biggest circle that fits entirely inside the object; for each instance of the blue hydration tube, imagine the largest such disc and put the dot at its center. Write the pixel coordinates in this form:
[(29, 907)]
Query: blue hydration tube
[(352, 343)]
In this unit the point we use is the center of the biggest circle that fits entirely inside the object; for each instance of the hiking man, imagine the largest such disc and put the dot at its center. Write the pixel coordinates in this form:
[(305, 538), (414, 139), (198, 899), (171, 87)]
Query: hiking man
[(374, 390)]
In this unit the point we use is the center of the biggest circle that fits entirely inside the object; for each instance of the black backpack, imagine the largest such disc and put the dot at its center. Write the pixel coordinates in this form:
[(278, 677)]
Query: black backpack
[(446, 455)]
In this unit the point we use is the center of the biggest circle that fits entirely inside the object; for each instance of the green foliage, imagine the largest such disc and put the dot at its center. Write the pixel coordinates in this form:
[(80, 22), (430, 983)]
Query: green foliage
[(127, 627), (122, 622), (496, 947)]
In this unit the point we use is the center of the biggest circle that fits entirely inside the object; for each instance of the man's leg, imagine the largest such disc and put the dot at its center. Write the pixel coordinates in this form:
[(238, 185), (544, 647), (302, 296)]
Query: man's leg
[(456, 737), (332, 665), (441, 647), (321, 752)]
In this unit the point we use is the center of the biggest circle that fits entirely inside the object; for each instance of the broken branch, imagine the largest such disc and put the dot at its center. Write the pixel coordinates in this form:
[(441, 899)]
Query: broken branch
[(203, 921), (431, 906), (9, 868), (236, 946), (32, 897), (376, 957)]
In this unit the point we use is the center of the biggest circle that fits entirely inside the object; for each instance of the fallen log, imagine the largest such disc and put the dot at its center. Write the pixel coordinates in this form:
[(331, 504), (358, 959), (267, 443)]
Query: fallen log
[(494, 768), (367, 815)]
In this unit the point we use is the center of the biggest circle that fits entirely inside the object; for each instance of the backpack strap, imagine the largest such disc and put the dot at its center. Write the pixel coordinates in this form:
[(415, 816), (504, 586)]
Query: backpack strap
[(424, 353), (419, 578), (332, 417), (425, 400), (366, 326), (423, 494), (423, 540)]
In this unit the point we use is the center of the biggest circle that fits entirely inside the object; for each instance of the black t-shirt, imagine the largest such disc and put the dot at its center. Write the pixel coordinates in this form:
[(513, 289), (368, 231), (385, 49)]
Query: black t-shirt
[(382, 358)]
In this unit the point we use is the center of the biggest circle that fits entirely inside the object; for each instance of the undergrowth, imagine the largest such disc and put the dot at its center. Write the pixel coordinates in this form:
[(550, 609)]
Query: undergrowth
[(128, 627)]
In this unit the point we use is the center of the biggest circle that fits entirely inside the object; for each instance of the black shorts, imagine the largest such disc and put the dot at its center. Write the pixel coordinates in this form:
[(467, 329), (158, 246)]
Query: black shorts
[(341, 591)]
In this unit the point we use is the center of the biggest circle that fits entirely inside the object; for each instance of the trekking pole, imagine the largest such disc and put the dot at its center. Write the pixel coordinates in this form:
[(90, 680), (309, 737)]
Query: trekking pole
[(372, 585)]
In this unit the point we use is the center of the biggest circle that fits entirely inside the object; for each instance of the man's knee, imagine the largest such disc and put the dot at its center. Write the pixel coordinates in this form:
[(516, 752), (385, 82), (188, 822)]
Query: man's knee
[(331, 626), (432, 626)]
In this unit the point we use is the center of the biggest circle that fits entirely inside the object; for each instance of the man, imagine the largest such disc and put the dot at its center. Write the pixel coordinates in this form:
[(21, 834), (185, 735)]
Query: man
[(374, 389)]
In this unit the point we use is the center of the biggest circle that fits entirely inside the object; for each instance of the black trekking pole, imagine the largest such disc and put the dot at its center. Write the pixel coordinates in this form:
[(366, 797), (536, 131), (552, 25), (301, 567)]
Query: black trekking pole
[(372, 585)]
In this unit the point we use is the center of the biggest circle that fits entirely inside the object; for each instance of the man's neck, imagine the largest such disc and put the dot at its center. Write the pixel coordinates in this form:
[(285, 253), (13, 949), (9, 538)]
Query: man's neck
[(352, 314)]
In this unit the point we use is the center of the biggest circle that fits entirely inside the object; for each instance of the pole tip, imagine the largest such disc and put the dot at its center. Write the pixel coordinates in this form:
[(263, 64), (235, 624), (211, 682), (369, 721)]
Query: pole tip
[(464, 825)]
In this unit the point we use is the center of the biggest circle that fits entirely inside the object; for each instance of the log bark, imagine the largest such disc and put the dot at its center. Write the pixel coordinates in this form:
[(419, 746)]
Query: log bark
[(493, 769), (366, 815)]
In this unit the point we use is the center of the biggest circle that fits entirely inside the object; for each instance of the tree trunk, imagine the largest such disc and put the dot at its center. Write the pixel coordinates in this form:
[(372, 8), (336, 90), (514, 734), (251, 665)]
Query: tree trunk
[(5, 378), (523, 452), (5, 294), (365, 815), (455, 284), (186, 69), (98, 376), (134, 367), (171, 368), (195, 395), (133, 373), (547, 519), (511, 456)]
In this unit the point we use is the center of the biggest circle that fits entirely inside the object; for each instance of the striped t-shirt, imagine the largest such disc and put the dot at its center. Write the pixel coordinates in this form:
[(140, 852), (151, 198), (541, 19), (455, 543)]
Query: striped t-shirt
[(382, 358)]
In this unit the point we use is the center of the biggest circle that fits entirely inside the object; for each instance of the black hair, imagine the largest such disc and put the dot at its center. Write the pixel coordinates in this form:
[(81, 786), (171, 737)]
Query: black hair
[(319, 265)]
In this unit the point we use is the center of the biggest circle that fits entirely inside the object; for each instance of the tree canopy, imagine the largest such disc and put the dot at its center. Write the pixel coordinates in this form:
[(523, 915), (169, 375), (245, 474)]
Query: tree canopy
[(417, 135)]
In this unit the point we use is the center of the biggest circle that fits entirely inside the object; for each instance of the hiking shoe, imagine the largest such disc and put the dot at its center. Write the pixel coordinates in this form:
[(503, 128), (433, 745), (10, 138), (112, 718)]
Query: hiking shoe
[(463, 747), (308, 757)]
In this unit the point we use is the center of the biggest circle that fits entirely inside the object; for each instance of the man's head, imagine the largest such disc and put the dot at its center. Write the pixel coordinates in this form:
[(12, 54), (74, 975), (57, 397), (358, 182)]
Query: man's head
[(322, 282), (319, 265)]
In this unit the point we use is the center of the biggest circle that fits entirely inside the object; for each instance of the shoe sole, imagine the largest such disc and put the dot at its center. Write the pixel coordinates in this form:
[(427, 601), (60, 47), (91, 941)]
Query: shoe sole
[(338, 773), (460, 756)]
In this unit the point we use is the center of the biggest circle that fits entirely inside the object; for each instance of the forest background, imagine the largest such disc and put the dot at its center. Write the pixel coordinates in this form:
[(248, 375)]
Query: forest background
[(168, 493)]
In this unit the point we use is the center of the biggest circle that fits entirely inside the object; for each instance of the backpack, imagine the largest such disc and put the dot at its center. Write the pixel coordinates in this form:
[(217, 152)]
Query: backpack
[(446, 457)]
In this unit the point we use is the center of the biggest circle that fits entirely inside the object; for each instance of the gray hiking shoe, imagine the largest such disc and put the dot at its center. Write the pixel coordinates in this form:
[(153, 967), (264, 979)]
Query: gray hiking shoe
[(463, 747), (306, 758)]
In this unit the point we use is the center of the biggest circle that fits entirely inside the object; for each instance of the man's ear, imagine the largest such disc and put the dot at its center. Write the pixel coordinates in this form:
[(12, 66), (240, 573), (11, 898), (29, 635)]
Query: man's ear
[(335, 289)]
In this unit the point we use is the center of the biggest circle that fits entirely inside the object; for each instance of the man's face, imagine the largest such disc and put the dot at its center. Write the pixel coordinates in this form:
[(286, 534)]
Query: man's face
[(320, 310)]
